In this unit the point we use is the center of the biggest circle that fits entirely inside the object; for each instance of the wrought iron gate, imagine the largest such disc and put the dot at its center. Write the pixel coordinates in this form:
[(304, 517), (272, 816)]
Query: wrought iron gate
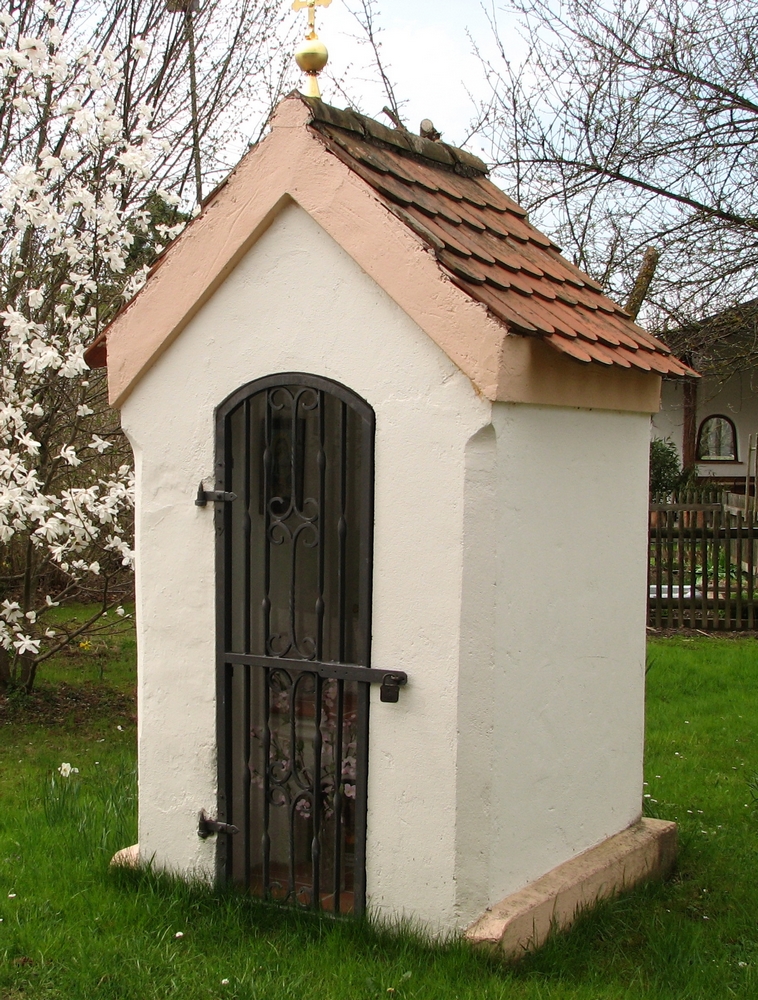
[(294, 523)]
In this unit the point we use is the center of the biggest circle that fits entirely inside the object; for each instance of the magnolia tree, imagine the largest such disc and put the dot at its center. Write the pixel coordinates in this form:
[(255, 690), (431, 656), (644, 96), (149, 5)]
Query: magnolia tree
[(102, 119)]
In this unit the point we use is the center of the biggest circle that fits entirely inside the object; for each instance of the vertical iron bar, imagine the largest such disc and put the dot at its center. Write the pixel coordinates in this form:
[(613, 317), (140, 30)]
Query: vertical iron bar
[(367, 534), (361, 797), (292, 882), (650, 564), (342, 533), (365, 587), (337, 803), (669, 567), (266, 836), (751, 570), (246, 625), (727, 570), (224, 856), (318, 736), (247, 777), (658, 568), (680, 573), (738, 569), (267, 469), (266, 609), (293, 507), (321, 525), (692, 519), (316, 801), (702, 518), (747, 473), (342, 626), (717, 624), (247, 522)]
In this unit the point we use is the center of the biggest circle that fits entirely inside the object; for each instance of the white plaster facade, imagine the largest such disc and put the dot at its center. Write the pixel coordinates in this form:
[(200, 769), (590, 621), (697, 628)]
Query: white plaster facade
[(735, 398), (509, 583)]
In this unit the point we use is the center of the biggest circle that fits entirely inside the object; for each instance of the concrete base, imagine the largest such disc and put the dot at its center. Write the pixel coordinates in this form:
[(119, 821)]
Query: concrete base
[(523, 920), (128, 857)]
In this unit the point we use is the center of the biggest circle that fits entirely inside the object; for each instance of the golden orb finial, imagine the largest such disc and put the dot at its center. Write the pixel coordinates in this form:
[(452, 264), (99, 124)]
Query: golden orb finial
[(311, 54)]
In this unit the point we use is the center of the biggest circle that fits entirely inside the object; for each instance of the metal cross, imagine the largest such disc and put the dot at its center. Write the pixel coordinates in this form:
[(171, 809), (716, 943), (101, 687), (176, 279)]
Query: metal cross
[(311, 5)]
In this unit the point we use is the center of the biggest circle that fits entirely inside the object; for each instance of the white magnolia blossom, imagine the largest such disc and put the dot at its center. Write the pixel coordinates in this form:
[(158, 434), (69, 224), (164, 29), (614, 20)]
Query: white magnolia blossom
[(85, 205), (68, 225), (98, 444)]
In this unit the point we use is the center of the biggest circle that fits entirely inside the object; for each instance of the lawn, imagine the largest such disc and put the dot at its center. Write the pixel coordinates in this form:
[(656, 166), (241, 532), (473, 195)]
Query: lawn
[(74, 930)]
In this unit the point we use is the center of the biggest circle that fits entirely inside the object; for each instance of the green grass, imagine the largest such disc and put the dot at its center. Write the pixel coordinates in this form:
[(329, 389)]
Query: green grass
[(107, 655), (77, 931)]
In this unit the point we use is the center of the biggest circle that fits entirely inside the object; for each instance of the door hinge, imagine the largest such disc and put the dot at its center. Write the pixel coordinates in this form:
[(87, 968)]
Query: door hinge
[(206, 826), (215, 496)]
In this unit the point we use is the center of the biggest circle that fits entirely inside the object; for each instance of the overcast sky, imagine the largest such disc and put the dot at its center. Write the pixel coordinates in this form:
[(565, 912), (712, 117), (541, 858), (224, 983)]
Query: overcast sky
[(428, 55)]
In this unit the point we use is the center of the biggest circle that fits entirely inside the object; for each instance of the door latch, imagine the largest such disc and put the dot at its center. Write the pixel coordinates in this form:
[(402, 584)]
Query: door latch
[(390, 686), (207, 826), (214, 496)]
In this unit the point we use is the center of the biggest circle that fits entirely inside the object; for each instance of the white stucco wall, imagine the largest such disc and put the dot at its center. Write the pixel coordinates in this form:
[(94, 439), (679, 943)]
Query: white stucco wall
[(569, 682), (508, 582), (736, 398)]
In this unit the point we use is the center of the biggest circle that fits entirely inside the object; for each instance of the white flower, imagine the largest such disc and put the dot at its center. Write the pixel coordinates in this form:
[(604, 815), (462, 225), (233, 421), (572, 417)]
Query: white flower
[(68, 453), (25, 644), (11, 611), (98, 444), (225, 982), (67, 770), (179, 934), (35, 297)]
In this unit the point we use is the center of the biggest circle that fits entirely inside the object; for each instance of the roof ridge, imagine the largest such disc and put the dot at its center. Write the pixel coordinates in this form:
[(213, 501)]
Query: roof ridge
[(438, 152)]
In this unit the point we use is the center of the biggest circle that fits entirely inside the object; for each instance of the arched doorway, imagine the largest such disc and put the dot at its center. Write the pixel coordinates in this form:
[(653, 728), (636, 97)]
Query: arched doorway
[(294, 568)]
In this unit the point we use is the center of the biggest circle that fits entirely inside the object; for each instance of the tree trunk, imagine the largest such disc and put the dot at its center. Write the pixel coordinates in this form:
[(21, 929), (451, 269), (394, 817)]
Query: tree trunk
[(5, 670), (642, 284), (689, 430), (28, 673)]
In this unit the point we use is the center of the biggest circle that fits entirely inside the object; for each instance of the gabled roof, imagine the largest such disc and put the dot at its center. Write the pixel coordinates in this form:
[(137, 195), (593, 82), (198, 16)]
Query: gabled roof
[(486, 244), (424, 220)]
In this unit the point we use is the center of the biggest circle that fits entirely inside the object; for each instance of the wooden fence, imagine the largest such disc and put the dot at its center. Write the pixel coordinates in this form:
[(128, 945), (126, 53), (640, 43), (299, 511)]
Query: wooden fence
[(703, 560)]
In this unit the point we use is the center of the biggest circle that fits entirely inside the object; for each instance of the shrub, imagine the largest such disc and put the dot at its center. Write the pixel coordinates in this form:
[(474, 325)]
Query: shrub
[(665, 468)]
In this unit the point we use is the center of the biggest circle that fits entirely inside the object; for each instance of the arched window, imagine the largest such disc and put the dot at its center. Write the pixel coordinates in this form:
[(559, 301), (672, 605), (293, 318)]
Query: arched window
[(717, 440)]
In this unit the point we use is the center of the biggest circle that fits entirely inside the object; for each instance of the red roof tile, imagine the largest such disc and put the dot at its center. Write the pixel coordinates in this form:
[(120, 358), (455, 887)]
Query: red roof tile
[(484, 242)]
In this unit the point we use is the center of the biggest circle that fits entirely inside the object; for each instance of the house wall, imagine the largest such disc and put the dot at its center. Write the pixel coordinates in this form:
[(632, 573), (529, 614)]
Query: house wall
[(735, 398), (517, 742)]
